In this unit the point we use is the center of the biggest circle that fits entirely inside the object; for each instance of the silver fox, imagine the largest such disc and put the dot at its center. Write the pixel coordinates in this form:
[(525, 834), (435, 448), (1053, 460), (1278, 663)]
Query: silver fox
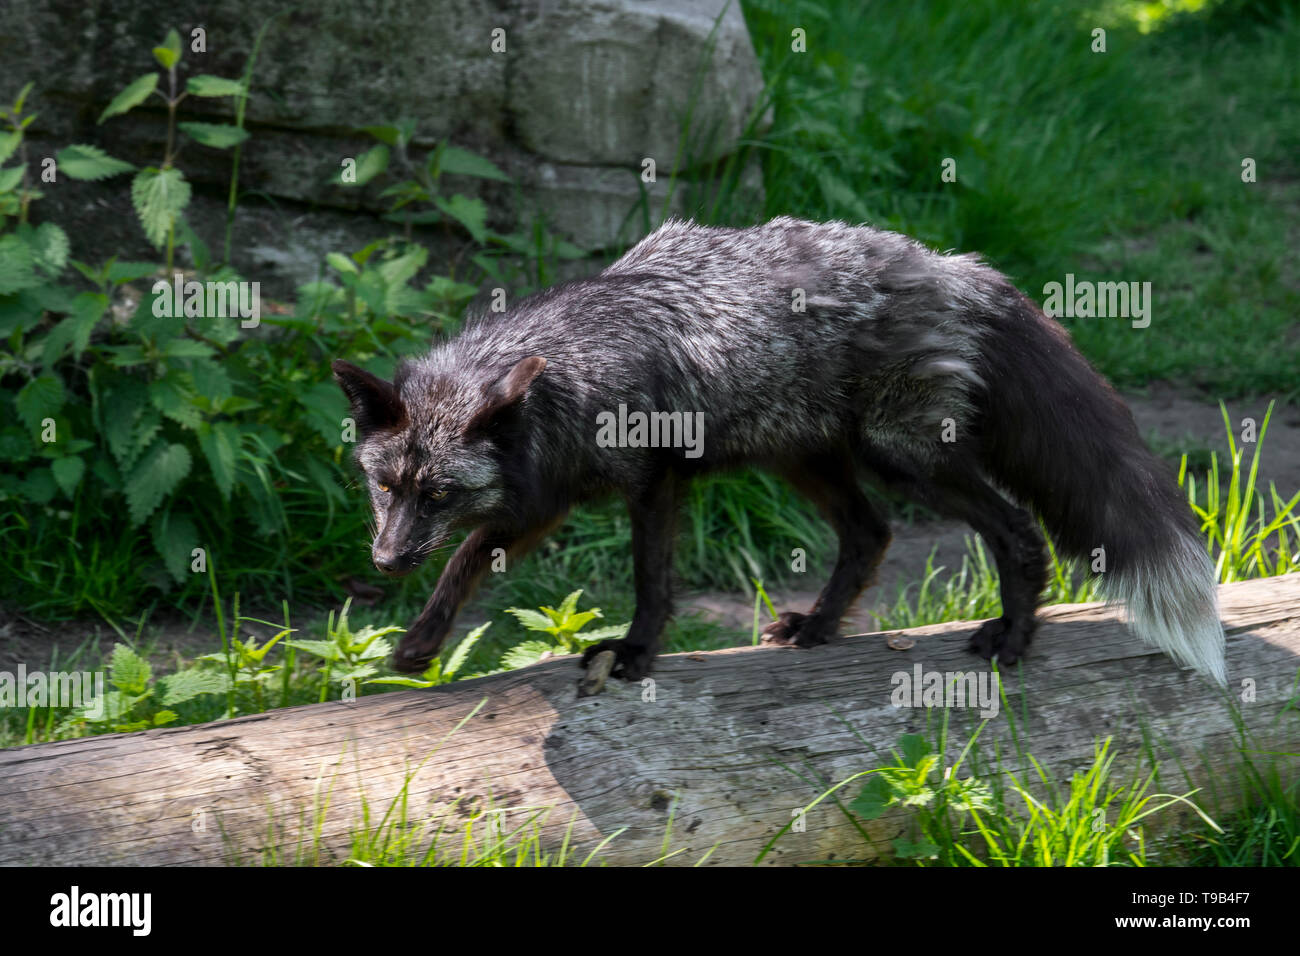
[(823, 352)]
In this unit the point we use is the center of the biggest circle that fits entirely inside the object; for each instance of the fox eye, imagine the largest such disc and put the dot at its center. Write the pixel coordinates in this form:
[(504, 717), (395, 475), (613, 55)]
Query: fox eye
[(438, 494)]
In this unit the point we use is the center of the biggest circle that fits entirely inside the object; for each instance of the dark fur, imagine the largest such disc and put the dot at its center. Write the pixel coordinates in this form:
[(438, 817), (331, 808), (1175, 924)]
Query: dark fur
[(896, 342)]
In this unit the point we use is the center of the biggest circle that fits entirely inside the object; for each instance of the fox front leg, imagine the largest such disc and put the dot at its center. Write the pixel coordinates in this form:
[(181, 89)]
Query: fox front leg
[(460, 578), (654, 516)]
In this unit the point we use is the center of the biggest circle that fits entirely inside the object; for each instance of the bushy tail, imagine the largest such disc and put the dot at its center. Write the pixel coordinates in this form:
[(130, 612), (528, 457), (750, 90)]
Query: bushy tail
[(1059, 438), (1173, 605)]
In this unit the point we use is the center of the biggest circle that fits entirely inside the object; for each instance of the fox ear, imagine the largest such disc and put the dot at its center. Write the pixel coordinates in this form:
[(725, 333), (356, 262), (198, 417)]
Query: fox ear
[(375, 403), (506, 391)]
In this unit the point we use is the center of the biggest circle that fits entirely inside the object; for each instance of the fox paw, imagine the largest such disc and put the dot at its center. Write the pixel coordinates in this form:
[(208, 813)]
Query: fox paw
[(631, 661), (414, 654), (792, 629), (1002, 637)]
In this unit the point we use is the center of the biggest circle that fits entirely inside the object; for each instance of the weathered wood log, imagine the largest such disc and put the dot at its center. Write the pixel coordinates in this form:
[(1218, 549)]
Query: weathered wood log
[(734, 742)]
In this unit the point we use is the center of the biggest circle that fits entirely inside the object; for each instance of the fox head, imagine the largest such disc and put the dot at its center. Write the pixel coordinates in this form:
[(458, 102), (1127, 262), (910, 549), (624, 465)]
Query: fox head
[(429, 445)]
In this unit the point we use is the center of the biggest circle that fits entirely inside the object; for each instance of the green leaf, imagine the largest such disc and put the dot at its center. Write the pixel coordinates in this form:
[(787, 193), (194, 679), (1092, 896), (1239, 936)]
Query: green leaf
[(199, 251), (188, 349), (122, 403), (470, 213), (458, 656), (373, 291), (39, 486), (530, 619), (128, 671), (906, 850), (449, 290), (16, 265), (120, 272), (326, 649), (601, 633), (324, 406), (22, 97), (15, 446), (57, 341), (135, 94), (174, 400), (220, 444), (192, 682), (9, 143), (210, 380), (342, 263), (10, 178), (87, 309), (146, 429), (575, 622), (155, 477), (914, 747), (90, 163), (404, 682), (875, 797), (67, 472), (207, 85), (159, 196), (392, 134), (570, 603), (462, 162), (169, 54), (175, 538), (368, 165), (521, 655), (39, 399), (49, 245), (216, 135)]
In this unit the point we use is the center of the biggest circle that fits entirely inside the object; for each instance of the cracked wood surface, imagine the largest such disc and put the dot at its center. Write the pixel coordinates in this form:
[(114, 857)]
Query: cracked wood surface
[(733, 742)]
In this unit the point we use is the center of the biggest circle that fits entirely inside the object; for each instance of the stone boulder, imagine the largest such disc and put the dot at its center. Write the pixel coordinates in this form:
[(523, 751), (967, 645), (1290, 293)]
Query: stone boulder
[(570, 97)]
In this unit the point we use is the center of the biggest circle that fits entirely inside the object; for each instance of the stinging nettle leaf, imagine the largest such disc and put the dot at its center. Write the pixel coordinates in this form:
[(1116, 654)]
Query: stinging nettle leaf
[(461, 162), (216, 135), (85, 162), (9, 143), (169, 53), (175, 538), (369, 165), (155, 477), (135, 94), (10, 178), (159, 196), (68, 472), (470, 213), (39, 399), (207, 85)]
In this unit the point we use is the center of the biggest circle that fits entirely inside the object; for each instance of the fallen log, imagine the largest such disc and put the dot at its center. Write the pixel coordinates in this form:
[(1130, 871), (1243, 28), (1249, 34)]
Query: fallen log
[(730, 743)]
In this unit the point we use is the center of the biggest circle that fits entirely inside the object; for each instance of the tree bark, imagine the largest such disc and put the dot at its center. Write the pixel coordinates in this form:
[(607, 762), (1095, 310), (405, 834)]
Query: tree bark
[(731, 743)]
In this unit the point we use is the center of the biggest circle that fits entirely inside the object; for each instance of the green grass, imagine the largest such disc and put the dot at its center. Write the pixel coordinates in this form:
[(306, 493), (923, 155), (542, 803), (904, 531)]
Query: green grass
[(1117, 165), (966, 803)]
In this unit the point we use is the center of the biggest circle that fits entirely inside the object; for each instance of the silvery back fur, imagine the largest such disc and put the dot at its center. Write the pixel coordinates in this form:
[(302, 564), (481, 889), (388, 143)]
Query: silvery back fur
[(821, 351)]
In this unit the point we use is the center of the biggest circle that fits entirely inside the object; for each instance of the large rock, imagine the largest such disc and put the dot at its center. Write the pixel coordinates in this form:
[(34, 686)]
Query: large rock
[(583, 93)]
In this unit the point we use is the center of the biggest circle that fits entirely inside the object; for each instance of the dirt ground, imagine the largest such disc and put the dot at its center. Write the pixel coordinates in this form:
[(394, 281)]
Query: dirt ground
[(1167, 418)]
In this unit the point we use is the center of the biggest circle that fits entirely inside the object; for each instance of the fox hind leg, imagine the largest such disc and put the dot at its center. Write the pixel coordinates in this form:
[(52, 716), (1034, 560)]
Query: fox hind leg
[(831, 483), (1018, 548)]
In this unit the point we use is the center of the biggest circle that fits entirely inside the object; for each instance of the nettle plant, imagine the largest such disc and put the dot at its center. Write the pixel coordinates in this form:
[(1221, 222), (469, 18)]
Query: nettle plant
[(125, 430), (562, 626), (161, 193), (422, 197)]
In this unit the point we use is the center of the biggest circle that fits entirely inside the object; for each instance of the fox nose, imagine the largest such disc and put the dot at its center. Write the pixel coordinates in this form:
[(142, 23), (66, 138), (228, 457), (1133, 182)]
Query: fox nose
[(387, 561)]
